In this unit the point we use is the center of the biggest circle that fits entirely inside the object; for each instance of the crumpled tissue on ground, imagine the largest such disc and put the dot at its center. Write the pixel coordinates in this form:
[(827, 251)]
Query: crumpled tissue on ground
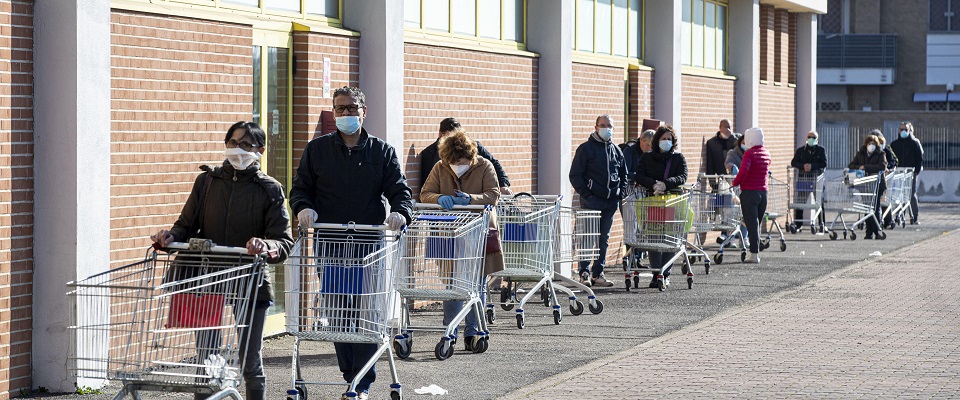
[(432, 390)]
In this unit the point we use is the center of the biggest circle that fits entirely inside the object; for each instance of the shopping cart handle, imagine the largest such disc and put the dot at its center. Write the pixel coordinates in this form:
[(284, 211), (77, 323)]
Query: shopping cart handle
[(204, 245), (350, 226), (432, 206)]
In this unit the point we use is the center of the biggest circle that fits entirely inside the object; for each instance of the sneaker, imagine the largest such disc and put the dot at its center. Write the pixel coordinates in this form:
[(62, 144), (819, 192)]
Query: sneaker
[(601, 281), (363, 396), (585, 279), (752, 258)]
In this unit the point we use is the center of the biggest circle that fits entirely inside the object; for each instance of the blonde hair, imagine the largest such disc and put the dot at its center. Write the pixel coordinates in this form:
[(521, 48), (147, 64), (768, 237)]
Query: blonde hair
[(456, 146)]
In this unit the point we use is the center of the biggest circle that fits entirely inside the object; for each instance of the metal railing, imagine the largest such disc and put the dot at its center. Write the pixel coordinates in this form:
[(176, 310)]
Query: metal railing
[(857, 51), (941, 145)]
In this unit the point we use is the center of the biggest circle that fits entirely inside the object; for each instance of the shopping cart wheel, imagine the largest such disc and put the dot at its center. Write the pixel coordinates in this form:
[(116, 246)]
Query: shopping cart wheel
[(833, 235), (661, 285), (764, 244), (718, 258), (813, 230), (783, 245), (882, 235), (557, 317), (636, 281), (743, 256), (545, 296), (491, 317), (685, 269), (853, 235), (402, 347), (519, 321), (689, 282), (598, 308), (626, 283), (443, 350), (576, 307), (706, 268), (395, 396), (301, 393), (791, 228), (506, 295)]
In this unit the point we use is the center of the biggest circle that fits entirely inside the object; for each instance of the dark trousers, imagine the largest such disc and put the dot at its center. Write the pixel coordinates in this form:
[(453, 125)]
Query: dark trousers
[(872, 223), (251, 344), (606, 222), (351, 357), (914, 202), (657, 260), (753, 203)]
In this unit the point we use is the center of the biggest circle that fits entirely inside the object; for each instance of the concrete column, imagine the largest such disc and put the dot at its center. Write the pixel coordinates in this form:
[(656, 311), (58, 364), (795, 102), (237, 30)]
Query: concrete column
[(663, 47), (744, 50), (380, 24), (72, 177), (806, 75), (550, 33)]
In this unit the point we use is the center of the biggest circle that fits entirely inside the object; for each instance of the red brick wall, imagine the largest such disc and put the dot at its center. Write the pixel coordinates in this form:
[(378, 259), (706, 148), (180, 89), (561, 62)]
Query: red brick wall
[(177, 85), (641, 99), (494, 96), (16, 195), (704, 102), (767, 42), (792, 53), (778, 121), (782, 48)]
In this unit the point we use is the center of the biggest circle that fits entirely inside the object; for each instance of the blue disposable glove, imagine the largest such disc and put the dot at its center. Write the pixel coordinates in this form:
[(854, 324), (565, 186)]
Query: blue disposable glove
[(446, 202), (734, 170), (462, 199)]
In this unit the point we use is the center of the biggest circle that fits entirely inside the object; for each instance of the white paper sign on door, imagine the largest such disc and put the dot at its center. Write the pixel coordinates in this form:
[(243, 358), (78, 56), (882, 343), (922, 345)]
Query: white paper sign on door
[(326, 77)]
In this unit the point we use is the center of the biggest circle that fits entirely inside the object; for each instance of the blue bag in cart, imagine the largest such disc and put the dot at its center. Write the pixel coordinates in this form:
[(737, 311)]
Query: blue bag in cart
[(519, 232), (337, 279)]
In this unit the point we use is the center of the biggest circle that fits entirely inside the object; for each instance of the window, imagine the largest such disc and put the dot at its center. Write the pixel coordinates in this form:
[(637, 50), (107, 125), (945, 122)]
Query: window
[(487, 19), (310, 8), (942, 106), (832, 21), (703, 33), (944, 15), (610, 27)]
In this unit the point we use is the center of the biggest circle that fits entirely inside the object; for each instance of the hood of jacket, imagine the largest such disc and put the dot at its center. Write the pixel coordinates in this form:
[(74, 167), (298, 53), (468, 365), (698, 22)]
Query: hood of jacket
[(753, 137)]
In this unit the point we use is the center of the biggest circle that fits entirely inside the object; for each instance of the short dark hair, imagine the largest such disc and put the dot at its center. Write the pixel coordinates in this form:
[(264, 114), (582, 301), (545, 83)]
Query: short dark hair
[(352, 92), (449, 124), (252, 129), (663, 130)]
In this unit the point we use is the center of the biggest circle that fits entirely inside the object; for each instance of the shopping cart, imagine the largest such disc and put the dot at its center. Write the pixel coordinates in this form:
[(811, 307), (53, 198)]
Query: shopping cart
[(442, 255), (577, 239), (777, 207), (806, 194), (527, 224), (662, 223), (175, 322), (717, 208), (897, 197), (341, 289), (850, 194)]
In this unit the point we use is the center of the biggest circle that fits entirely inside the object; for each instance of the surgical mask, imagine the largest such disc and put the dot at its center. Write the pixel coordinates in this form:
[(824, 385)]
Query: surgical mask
[(904, 133), (348, 124), (665, 145), (239, 158), (605, 133), (811, 142), (883, 146), (460, 169), (871, 148), (743, 147)]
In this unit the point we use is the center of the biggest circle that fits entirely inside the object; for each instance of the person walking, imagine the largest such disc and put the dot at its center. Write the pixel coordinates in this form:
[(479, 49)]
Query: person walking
[(871, 160), (431, 155), (237, 205), (599, 175), (909, 153), (715, 155), (342, 178), (752, 180), (660, 172), (810, 160), (892, 162)]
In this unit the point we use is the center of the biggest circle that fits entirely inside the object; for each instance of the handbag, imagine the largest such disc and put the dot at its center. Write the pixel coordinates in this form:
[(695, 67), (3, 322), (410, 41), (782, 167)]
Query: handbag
[(493, 241)]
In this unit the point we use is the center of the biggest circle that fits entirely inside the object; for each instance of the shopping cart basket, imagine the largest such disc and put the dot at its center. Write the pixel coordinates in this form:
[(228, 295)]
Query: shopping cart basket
[(662, 223), (897, 198), (175, 322), (527, 224), (849, 194), (341, 289), (577, 239), (777, 207), (806, 194), (442, 257), (716, 204)]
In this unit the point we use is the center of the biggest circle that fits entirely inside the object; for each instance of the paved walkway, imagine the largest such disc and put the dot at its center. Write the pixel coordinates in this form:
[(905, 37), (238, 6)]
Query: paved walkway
[(883, 328)]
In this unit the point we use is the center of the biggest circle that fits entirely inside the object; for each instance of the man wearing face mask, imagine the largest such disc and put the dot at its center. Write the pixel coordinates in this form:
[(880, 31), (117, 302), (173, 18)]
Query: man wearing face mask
[(238, 205), (909, 152), (344, 177), (431, 155), (810, 160), (715, 155), (599, 175)]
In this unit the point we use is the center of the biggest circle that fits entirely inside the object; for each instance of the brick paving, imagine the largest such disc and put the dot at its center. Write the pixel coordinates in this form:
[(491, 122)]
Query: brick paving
[(887, 327)]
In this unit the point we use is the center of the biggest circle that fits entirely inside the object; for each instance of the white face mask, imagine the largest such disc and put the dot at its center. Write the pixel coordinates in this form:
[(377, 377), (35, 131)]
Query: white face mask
[(871, 148), (605, 133), (460, 169), (348, 124), (239, 158)]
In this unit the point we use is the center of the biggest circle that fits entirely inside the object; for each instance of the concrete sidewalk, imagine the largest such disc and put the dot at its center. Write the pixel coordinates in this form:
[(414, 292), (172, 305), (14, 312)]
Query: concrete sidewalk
[(885, 327)]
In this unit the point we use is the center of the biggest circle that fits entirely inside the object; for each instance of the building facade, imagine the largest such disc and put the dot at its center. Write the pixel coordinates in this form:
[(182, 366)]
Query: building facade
[(107, 108)]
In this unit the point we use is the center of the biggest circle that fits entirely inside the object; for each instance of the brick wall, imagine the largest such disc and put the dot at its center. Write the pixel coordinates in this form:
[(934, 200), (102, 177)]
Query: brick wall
[(494, 96), (641, 99), (177, 85), (16, 194), (704, 102), (782, 50), (778, 121), (767, 42)]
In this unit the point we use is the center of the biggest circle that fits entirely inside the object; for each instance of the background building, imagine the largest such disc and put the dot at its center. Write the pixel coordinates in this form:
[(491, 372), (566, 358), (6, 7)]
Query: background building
[(108, 107)]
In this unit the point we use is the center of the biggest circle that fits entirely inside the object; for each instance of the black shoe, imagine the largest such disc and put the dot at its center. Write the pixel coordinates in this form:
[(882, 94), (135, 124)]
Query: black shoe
[(869, 236), (654, 284), (721, 239)]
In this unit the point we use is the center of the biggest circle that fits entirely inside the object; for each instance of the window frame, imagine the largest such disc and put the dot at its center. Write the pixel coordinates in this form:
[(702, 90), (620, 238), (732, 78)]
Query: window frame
[(637, 44), (476, 39), (261, 9), (953, 7), (687, 44)]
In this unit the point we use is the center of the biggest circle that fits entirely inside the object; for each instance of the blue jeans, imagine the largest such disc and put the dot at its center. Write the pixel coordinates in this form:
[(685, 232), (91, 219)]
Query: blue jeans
[(452, 307), (753, 203), (351, 357), (606, 222)]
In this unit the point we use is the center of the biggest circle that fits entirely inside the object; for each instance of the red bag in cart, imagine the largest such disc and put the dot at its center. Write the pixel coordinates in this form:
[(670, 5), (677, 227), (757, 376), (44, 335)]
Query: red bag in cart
[(190, 310)]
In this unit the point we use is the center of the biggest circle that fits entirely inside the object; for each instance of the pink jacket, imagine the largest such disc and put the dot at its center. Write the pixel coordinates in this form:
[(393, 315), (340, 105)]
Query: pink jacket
[(756, 163)]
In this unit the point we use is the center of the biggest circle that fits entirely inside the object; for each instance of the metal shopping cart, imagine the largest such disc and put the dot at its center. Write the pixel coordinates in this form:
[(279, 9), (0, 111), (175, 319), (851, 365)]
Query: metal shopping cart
[(175, 322), (897, 197), (806, 194), (341, 289), (662, 223), (442, 257), (851, 194), (777, 207), (577, 239), (527, 224), (717, 207)]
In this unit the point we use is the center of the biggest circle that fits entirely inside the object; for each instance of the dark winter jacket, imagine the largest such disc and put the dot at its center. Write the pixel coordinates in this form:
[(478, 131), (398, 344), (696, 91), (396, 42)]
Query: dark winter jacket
[(237, 206), (431, 155), (598, 174), (816, 156), (349, 184), (909, 153), (653, 166), (871, 162), (892, 160), (716, 153), (631, 158)]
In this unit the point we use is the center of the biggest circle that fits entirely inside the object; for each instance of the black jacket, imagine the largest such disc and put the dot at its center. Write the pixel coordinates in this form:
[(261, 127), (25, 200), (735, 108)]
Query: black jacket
[(716, 153), (892, 160), (909, 153), (631, 158), (598, 174), (348, 185), (871, 163), (431, 155), (816, 156), (237, 206), (653, 165)]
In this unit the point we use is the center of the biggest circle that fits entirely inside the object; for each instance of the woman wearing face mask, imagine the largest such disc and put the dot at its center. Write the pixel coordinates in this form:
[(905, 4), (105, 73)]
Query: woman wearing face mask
[(891, 165), (752, 180), (662, 171), (238, 205), (463, 178), (871, 160), (735, 157)]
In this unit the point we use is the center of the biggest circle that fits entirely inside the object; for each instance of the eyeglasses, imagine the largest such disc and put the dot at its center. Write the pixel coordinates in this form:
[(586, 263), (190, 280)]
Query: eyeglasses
[(352, 108), (246, 146)]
